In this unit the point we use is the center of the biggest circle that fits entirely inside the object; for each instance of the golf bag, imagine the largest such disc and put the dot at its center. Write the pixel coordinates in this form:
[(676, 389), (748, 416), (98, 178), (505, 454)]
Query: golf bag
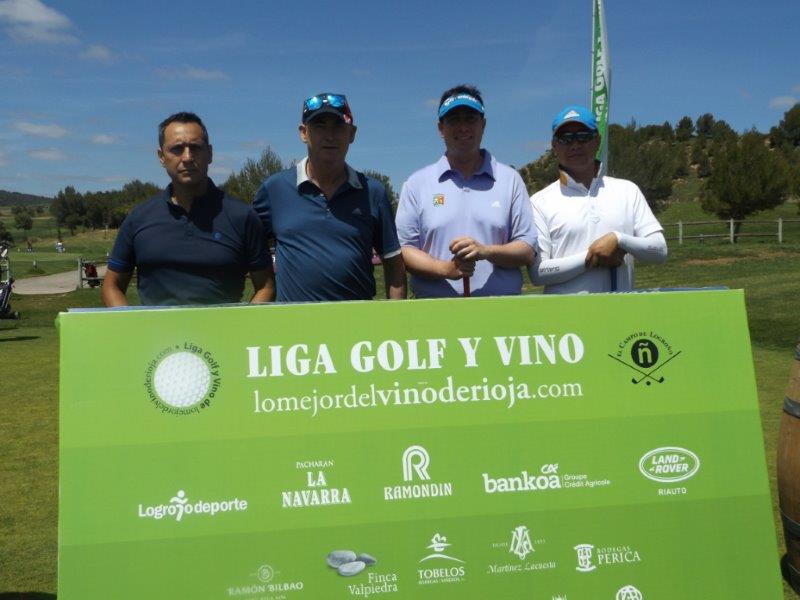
[(6, 285)]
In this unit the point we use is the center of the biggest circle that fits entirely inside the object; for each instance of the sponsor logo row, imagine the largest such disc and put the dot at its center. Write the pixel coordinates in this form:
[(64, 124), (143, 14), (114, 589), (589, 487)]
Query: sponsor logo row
[(440, 563), (663, 465)]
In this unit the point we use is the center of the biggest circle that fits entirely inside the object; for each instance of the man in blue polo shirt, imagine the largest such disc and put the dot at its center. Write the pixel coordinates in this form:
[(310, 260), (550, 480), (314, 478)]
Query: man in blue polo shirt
[(464, 222), (191, 244), (326, 217)]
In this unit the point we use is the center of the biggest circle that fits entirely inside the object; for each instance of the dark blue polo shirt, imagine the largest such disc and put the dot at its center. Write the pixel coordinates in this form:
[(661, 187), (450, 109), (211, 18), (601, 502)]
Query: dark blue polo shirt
[(324, 247), (199, 257)]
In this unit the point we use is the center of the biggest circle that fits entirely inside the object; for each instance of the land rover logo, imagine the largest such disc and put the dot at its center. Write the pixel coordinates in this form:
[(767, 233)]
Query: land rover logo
[(669, 464)]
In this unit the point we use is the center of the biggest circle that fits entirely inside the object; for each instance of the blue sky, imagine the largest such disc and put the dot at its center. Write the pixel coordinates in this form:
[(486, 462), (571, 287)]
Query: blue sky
[(83, 83)]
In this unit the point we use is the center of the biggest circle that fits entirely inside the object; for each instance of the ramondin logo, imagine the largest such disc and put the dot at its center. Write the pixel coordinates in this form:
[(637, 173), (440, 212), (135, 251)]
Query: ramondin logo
[(416, 461), (179, 507), (669, 464), (182, 379), (645, 353)]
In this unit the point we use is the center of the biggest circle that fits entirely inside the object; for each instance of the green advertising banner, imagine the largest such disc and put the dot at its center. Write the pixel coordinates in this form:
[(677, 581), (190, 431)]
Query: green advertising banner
[(602, 447)]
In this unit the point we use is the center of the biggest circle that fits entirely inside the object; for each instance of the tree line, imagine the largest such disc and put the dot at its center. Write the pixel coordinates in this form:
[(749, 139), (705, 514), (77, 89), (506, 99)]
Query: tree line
[(741, 174)]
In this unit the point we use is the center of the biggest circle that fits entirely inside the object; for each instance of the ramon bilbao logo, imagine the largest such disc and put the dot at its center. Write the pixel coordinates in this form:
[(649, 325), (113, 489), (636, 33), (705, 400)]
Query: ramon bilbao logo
[(182, 379), (645, 354)]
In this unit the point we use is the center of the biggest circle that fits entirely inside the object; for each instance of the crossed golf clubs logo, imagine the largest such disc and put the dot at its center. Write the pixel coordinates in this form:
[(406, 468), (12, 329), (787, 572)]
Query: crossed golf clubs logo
[(644, 354)]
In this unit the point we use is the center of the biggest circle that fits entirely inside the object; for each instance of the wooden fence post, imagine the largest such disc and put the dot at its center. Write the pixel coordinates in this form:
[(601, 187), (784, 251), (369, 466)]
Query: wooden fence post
[(780, 230), (680, 233), (732, 226)]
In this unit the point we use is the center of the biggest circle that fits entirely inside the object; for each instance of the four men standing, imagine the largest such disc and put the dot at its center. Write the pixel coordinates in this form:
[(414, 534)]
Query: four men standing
[(464, 224)]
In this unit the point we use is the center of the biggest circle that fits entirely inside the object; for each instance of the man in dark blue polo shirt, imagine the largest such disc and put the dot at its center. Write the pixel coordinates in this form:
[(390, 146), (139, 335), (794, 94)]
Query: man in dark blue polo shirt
[(191, 244), (326, 217)]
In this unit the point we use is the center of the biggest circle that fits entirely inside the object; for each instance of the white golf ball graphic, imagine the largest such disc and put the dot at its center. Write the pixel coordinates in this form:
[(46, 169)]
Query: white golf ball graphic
[(182, 379)]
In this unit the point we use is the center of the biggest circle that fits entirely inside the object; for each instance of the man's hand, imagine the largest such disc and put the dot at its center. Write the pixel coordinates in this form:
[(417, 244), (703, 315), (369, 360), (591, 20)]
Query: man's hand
[(458, 268), (605, 252), (466, 248)]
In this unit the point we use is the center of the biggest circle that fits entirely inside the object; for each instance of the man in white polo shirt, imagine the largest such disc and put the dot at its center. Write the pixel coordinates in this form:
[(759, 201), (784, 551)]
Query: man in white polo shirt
[(590, 227), (464, 222)]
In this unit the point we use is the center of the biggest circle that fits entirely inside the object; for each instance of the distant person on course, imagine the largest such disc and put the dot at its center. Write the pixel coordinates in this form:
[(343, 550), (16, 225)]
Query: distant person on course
[(590, 227), (326, 217), (191, 244), (465, 220)]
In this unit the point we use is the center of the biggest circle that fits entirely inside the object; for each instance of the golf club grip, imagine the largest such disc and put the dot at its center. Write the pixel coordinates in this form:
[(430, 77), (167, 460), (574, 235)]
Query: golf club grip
[(466, 287)]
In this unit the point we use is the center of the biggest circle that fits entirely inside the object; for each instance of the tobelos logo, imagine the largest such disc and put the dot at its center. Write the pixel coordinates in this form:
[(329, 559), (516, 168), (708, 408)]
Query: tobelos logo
[(669, 464), (182, 379), (645, 354)]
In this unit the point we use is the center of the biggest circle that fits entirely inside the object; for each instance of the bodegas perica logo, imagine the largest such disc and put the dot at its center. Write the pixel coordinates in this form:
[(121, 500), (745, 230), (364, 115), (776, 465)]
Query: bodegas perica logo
[(182, 379), (645, 353)]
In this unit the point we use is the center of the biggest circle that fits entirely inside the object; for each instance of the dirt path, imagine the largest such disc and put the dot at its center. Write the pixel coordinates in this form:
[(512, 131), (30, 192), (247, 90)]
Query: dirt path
[(58, 283)]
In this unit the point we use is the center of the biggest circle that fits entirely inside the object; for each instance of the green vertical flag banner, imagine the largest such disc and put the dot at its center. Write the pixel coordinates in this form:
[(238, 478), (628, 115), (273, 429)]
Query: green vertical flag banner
[(603, 447), (601, 79)]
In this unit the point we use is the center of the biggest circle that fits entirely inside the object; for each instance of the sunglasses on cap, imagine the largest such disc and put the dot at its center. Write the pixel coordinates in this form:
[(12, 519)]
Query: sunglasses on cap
[(333, 103), (317, 102), (581, 137)]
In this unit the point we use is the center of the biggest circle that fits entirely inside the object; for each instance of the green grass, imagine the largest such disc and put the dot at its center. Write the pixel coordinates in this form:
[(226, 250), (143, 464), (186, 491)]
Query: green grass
[(29, 426)]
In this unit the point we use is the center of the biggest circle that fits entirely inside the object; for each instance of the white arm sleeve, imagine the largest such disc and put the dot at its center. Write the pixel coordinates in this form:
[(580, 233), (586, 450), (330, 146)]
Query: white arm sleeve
[(547, 271), (648, 249)]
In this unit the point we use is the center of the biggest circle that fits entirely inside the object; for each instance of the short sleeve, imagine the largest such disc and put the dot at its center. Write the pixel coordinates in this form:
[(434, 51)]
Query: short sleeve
[(257, 255), (407, 218), (385, 234), (263, 207), (644, 221), (543, 241), (123, 255), (522, 226)]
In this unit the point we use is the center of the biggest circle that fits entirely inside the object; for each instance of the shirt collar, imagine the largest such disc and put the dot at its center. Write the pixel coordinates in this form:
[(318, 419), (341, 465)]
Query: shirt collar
[(567, 181), (302, 175), (487, 166), (212, 192)]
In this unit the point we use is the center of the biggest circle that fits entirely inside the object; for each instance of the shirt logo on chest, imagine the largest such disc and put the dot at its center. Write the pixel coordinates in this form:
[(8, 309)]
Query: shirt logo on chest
[(438, 199)]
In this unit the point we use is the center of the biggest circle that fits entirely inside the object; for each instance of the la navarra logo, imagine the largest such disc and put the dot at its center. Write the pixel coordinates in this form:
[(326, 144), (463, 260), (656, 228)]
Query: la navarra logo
[(182, 379), (645, 354)]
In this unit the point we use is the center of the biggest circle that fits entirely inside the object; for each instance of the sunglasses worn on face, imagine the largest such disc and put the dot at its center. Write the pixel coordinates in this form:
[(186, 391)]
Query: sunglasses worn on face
[(334, 100), (576, 136)]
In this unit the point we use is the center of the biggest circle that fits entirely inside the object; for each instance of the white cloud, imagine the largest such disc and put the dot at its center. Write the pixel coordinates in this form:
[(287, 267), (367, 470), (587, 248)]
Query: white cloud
[(40, 130), (99, 53), (33, 21), (193, 73), (782, 102), (103, 139), (47, 154)]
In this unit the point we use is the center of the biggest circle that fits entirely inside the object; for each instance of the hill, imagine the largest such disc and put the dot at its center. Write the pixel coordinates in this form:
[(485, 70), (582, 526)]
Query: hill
[(14, 198)]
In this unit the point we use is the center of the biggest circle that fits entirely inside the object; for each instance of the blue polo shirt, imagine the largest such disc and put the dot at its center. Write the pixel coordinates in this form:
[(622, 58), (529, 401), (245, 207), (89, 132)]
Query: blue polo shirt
[(437, 205), (199, 257), (323, 248)]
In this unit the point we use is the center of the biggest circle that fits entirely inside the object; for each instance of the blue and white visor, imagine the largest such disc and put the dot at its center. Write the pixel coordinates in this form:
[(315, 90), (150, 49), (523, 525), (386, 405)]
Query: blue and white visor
[(460, 100)]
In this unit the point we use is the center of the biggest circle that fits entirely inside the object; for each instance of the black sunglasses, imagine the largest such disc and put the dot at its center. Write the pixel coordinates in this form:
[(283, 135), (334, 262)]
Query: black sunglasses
[(581, 137)]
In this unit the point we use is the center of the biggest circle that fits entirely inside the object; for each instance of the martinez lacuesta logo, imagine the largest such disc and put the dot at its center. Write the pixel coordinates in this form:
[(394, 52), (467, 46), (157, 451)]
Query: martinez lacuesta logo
[(182, 380), (645, 354)]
